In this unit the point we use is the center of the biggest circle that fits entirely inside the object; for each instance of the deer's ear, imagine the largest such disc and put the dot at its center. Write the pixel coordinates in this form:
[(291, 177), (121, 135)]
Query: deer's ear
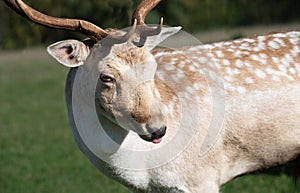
[(70, 53), (153, 41)]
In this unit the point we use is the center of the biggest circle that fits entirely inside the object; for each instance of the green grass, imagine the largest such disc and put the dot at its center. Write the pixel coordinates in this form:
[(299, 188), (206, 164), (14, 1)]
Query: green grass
[(37, 150)]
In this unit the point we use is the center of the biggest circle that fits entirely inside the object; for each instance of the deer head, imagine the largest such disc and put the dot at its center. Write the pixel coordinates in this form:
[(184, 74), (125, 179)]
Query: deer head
[(126, 91)]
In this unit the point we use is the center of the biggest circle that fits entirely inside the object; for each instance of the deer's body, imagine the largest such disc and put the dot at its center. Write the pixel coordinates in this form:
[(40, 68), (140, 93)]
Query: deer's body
[(185, 120), (262, 113)]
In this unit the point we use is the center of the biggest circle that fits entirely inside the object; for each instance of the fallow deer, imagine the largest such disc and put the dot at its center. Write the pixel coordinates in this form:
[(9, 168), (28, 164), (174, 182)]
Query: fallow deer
[(178, 120)]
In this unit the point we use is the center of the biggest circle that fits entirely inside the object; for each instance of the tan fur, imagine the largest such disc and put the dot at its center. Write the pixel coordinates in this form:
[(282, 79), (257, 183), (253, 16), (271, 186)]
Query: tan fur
[(260, 125)]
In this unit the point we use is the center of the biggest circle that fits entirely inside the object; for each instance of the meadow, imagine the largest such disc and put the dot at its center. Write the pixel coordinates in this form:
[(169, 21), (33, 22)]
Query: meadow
[(37, 150)]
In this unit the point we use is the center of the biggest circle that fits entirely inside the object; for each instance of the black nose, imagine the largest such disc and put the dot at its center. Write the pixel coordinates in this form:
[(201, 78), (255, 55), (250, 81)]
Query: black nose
[(159, 133)]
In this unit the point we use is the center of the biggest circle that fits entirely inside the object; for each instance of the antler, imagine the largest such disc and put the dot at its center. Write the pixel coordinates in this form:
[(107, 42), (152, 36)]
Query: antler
[(89, 29), (94, 32), (139, 15), (143, 9)]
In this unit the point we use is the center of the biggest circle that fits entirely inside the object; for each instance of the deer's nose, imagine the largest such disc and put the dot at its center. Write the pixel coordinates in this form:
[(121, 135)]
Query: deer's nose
[(155, 136), (159, 133)]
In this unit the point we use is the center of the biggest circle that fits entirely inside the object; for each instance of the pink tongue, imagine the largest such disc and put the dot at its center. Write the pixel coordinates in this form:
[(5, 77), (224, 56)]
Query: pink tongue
[(156, 141)]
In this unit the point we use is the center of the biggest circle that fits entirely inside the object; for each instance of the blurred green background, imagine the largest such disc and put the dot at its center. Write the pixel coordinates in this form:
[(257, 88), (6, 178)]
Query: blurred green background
[(193, 15), (37, 150)]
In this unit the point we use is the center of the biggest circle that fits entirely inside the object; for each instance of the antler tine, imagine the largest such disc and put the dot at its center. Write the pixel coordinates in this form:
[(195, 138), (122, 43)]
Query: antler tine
[(120, 39), (139, 15), (130, 32), (143, 9), (89, 29)]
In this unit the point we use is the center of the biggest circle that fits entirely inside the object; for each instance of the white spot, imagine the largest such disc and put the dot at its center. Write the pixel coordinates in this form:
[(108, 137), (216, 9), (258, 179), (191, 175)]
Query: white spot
[(170, 67), (273, 44), (249, 80), (227, 43), (261, 46), (236, 71), (192, 68), (187, 95), (196, 48), (177, 52), (239, 63), (292, 70), (219, 44), (179, 74), (226, 62), (232, 72), (279, 35), (260, 73), (249, 40), (282, 68), (294, 40), (219, 54), (271, 71), (228, 78), (182, 64), (280, 41), (206, 46), (230, 50), (228, 86), (203, 71), (203, 60), (248, 64), (210, 55), (297, 67), (215, 64), (295, 51), (193, 58), (212, 75), (233, 47), (245, 45), (239, 53), (257, 49), (275, 60), (231, 88), (241, 89), (197, 86), (278, 73), (237, 41), (261, 38), (262, 55), (289, 58), (256, 58), (190, 89), (158, 54), (174, 60), (285, 62), (276, 78)]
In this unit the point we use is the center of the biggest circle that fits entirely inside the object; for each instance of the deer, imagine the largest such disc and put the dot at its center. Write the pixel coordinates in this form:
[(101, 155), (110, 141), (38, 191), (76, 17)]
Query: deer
[(177, 120)]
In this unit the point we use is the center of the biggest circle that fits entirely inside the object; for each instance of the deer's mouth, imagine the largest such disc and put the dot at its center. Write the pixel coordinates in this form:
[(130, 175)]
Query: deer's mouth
[(155, 137)]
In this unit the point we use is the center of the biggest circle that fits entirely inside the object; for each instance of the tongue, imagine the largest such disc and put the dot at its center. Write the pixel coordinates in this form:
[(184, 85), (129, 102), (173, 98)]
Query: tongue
[(156, 141)]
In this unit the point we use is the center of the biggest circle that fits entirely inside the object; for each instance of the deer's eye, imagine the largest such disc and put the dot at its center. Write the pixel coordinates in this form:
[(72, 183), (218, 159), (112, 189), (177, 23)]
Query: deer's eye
[(107, 78)]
